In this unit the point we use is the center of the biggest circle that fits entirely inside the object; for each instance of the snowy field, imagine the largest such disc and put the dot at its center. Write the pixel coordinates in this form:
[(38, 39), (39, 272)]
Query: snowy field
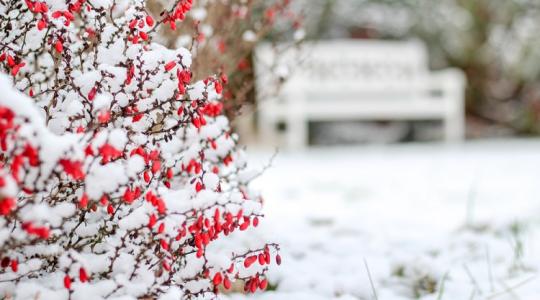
[(426, 221)]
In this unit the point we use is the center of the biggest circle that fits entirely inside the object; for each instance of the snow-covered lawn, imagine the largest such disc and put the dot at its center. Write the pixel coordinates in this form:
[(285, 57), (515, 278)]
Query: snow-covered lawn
[(427, 221)]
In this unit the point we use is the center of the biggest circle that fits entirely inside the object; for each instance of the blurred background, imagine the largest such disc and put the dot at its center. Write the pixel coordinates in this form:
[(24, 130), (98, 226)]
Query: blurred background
[(494, 43)]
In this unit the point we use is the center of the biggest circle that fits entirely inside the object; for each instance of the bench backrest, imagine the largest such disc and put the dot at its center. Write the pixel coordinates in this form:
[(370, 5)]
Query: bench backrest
[(350, 69)]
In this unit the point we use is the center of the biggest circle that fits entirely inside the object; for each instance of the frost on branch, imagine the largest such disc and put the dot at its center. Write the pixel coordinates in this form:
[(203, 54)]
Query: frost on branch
[(119, 176)]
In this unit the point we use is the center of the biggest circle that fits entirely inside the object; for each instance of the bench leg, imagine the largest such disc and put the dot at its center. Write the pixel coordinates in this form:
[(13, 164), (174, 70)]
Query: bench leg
[(454, 98), (454, 128)]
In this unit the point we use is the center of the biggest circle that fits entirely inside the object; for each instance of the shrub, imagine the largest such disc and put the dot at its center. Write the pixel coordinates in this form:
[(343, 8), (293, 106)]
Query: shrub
[(119, 175)]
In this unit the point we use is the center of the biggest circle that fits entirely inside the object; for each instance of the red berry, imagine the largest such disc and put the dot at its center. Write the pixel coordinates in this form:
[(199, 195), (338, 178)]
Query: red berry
[(249, 261), (143, 35), (41, 24), (152, 221), (164, 245), (104, 116), (83, 202), (149, 21), (133, 23), (263, 284), (166, 266), (110, 209), (14, 265), (226, 283), (59, 46), (244, 226), (92, 94), (82, 275), (253, 286), (170, 65), (198, 186), (10, 61), (156, 166), (217, 279), (146, 177), (67, 282), (15, 69), (267, 257), (104, 200)]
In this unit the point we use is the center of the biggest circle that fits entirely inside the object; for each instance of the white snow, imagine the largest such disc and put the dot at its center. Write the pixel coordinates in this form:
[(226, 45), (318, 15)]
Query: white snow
[(430, 221)]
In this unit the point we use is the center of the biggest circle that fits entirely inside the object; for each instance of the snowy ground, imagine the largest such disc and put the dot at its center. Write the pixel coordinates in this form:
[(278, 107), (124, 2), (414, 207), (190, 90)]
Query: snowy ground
[(429, 221)]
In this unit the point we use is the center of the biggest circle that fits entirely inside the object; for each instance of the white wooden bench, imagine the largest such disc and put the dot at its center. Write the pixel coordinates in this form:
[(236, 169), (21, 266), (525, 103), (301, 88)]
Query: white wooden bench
[(355, 80)]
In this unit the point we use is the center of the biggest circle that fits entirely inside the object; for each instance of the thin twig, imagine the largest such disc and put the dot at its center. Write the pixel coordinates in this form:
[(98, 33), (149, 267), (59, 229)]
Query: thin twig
[(521, 283), (371, 281), (509, 290), (441, 290), (473, 280)]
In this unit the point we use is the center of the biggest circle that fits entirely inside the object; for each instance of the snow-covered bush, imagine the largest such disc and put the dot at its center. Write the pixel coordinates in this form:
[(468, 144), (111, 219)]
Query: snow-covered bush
[(119, 176)]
